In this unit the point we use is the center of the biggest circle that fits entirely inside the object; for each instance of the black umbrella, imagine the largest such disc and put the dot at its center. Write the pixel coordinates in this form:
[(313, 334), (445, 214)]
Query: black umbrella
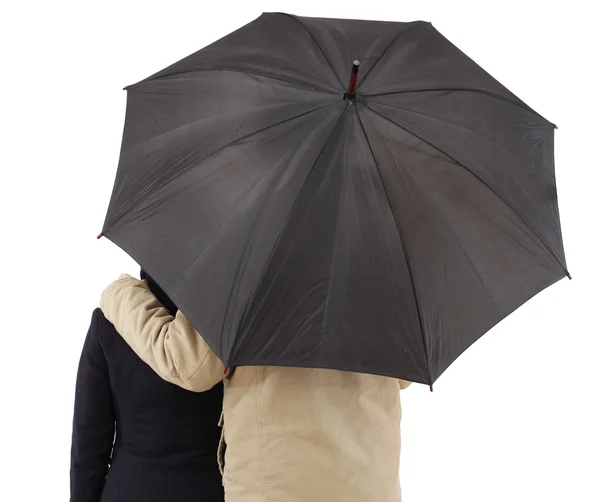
[(380, 227)]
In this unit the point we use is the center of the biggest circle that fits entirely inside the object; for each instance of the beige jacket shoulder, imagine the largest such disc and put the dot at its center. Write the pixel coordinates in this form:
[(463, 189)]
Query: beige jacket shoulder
[(292, 434)]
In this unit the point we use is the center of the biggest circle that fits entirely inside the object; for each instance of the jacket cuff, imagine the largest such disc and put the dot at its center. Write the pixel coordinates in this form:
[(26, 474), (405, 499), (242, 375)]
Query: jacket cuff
[(404, 384)]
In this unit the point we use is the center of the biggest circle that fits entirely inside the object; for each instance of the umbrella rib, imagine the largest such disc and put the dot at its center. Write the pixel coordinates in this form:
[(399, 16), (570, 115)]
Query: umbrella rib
[(211, 234), (317, 44), (455, 124), (249, 135), (402, 241), (456, 161), (383, 54), (301, 85), (458, 89), (243, 263), (456, 238), (237, 346)]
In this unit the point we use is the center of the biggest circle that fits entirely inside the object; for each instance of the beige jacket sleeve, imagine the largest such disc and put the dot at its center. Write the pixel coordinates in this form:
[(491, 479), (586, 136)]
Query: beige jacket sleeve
[(169, 345)]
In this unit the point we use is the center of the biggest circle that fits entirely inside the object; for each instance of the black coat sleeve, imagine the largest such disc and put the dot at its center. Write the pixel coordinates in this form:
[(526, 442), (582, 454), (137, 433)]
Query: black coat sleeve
[(93, 422)]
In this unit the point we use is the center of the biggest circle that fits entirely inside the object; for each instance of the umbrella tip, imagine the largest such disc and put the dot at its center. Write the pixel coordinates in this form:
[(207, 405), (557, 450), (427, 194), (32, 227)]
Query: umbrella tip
[(100, 235), (350, 95), (431, 388), (555, 126), (569, 276)]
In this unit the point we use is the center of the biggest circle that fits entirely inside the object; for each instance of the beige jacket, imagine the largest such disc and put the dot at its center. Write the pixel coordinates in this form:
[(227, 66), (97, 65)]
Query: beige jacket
[(292, 435)]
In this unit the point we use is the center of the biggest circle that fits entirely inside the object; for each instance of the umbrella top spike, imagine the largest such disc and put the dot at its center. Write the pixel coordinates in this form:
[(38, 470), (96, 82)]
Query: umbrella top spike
[(350, 95)]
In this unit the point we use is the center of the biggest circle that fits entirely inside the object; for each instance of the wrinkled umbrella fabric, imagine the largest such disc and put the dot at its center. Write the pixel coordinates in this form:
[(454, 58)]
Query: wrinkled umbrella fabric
[(382, 234)]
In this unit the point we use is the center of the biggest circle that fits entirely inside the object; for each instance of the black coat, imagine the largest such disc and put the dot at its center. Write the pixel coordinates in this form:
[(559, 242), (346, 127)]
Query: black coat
[(165, 438)]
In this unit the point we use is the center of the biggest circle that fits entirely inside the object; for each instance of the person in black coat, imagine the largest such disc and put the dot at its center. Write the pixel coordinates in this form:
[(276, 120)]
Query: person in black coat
[(136, 437)]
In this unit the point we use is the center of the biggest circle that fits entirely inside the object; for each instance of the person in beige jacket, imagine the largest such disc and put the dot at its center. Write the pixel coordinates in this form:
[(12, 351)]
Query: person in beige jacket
[(292, 434)]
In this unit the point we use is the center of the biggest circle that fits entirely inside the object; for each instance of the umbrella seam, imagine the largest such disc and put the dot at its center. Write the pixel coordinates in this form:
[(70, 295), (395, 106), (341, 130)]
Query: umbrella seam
[(316, 44), (300, 85), (523, 106), (240, 270), (188, 267), (333, 254), (134, 214), (404, 247), (167, 180), (441, 212), (237, 346), (198, 120), (459, 126), (510, 206), (417, 23), (429, 28)]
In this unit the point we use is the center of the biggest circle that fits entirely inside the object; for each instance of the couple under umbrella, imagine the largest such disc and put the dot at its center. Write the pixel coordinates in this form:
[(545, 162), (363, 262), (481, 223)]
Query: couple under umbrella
[(337, 208)]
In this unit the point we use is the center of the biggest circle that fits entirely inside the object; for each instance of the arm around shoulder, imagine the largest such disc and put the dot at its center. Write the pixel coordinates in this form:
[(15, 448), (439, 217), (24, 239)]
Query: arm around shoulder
[(171, 346)]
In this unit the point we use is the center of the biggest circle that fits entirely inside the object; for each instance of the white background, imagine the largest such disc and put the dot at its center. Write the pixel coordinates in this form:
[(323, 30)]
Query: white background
[(516, 418)]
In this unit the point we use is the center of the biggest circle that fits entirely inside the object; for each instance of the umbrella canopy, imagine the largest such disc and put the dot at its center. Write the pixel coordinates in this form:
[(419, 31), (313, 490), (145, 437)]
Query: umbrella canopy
[(381, 228)]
